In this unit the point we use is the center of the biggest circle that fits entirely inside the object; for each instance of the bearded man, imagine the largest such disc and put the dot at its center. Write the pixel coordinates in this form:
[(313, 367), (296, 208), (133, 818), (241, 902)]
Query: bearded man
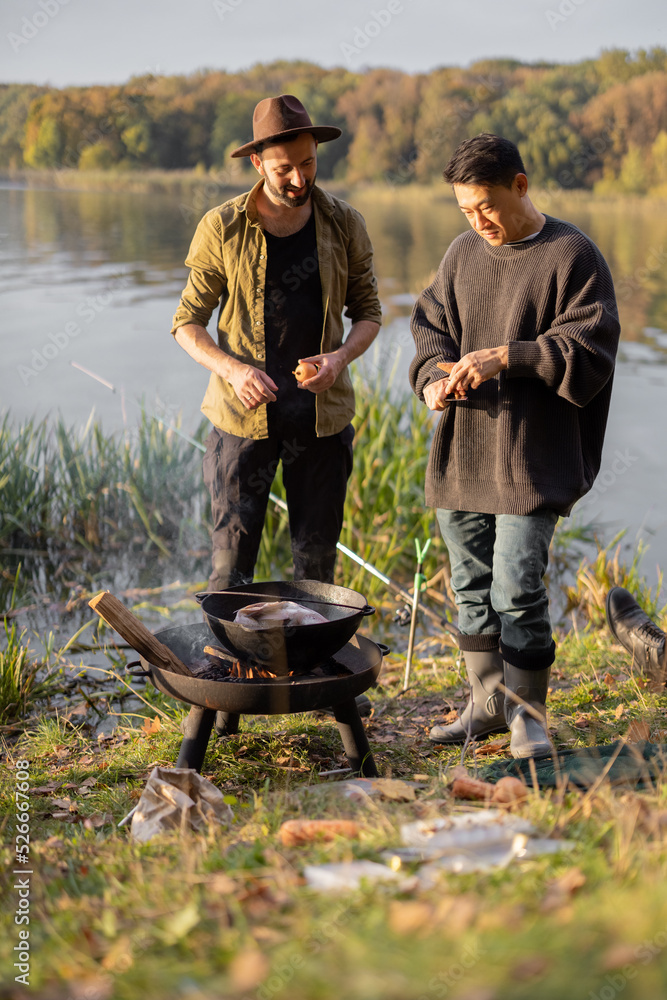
[(283, 260)]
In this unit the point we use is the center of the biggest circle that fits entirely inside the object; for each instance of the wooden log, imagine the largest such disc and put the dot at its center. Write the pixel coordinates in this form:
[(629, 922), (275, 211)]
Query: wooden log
[(136, 634)]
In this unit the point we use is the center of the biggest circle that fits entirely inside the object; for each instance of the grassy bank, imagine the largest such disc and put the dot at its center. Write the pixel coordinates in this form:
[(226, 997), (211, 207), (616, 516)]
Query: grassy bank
[(226, 185), (228, 914)]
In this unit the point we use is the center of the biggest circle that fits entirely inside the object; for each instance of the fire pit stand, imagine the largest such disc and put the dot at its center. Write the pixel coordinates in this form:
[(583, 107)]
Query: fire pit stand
[(219, 704)]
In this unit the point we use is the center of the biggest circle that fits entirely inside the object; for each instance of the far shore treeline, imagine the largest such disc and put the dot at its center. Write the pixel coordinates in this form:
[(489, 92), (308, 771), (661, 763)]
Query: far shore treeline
[(599, 124)]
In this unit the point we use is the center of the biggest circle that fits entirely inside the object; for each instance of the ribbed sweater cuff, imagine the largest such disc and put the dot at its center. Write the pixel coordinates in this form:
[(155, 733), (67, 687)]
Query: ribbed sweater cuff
[(523, 358), (478, 643)]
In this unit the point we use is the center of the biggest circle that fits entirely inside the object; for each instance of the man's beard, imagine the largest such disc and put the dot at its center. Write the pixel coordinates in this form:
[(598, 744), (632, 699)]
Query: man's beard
[(281, 196)]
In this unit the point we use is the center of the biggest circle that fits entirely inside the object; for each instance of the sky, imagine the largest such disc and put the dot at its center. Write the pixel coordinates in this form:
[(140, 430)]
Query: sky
[(65, 42)]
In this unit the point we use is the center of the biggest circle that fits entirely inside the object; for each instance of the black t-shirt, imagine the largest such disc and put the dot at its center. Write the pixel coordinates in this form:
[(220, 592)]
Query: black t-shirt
[(293, 317)]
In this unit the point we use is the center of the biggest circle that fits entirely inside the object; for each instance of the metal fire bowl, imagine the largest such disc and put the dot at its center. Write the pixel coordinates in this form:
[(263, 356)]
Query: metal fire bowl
[(295, 648), (275, 696)]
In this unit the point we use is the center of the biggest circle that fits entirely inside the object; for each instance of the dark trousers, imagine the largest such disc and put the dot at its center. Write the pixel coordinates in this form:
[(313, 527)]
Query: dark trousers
[(239, 472)]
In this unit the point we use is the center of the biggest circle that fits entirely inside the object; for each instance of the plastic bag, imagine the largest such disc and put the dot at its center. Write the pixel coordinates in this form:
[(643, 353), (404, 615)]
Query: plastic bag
[(178, 798)]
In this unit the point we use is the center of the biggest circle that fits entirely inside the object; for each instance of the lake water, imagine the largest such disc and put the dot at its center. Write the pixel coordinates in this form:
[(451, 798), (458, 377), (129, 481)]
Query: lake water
[(93, 279)]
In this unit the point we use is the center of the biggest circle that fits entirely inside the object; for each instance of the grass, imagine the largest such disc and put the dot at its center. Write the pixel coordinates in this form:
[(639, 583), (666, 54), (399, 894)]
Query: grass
[(24, 679), (227, 914), (596, 576), (18, 675)]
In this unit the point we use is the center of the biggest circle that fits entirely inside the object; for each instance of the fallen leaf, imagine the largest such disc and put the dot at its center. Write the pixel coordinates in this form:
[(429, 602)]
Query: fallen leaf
[(88, 783), (45, 789), (151, 728), (119, 957), (609, 680), (91, 988), (64, 817), (54, 842), (268, 935), (618, 711), (456, 913), (80, 709), (638, 731), (450, 717), (395, 790), (562, 889), (65, 804), (97, 820), (530, 967), (571, 880), (384, 739), (221, 884), (618, 955), (491, 747), (248, 969), (581, 722), (179, 924), (409, 916)]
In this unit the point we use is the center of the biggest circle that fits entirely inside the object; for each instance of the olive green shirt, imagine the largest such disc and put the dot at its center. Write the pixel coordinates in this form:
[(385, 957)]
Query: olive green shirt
[(227, 259)]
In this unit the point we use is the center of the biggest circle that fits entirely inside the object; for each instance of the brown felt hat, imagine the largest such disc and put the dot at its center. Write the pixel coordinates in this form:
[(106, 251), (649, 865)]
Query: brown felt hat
[(277, 118)]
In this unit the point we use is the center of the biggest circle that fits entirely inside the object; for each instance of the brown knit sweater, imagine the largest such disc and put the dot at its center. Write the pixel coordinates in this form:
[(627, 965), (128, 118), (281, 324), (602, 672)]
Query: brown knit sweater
[(532, 436)]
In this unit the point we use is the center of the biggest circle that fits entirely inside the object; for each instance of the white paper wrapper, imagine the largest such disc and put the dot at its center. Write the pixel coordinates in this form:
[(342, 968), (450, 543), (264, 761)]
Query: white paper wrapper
[(348, 875), (178, 798)]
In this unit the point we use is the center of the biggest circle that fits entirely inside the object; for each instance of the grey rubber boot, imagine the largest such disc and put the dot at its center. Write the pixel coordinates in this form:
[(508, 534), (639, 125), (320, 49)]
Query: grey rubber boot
[(529, 736), (484, 714)]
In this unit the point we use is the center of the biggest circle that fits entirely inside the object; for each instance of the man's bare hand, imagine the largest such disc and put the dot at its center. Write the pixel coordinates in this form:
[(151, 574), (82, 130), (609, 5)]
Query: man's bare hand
[(436, 395), (252, 386), (475, 368), (330, 366)]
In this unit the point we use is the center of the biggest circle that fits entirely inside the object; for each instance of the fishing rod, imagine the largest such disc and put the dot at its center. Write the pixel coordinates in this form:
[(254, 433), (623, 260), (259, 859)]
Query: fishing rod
[(405, 595)]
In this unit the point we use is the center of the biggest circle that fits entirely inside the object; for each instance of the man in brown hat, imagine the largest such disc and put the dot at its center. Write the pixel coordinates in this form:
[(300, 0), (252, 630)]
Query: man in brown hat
[(283, 261)]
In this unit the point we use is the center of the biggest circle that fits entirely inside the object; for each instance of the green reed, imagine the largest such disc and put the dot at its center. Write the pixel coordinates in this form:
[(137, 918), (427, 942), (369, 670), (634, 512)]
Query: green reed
[(86, 495), (88, 492)]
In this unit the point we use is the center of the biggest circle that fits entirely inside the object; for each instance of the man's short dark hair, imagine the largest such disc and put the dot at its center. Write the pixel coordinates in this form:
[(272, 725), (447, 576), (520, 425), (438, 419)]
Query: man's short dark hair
[(487, 160)]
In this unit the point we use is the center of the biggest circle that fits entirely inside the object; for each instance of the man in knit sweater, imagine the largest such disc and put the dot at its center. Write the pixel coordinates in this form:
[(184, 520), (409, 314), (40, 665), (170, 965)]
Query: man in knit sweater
[(523, 307)]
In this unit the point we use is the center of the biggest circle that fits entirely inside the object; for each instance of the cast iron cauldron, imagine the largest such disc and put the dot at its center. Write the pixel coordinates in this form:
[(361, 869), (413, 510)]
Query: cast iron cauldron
[(297, 648)]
